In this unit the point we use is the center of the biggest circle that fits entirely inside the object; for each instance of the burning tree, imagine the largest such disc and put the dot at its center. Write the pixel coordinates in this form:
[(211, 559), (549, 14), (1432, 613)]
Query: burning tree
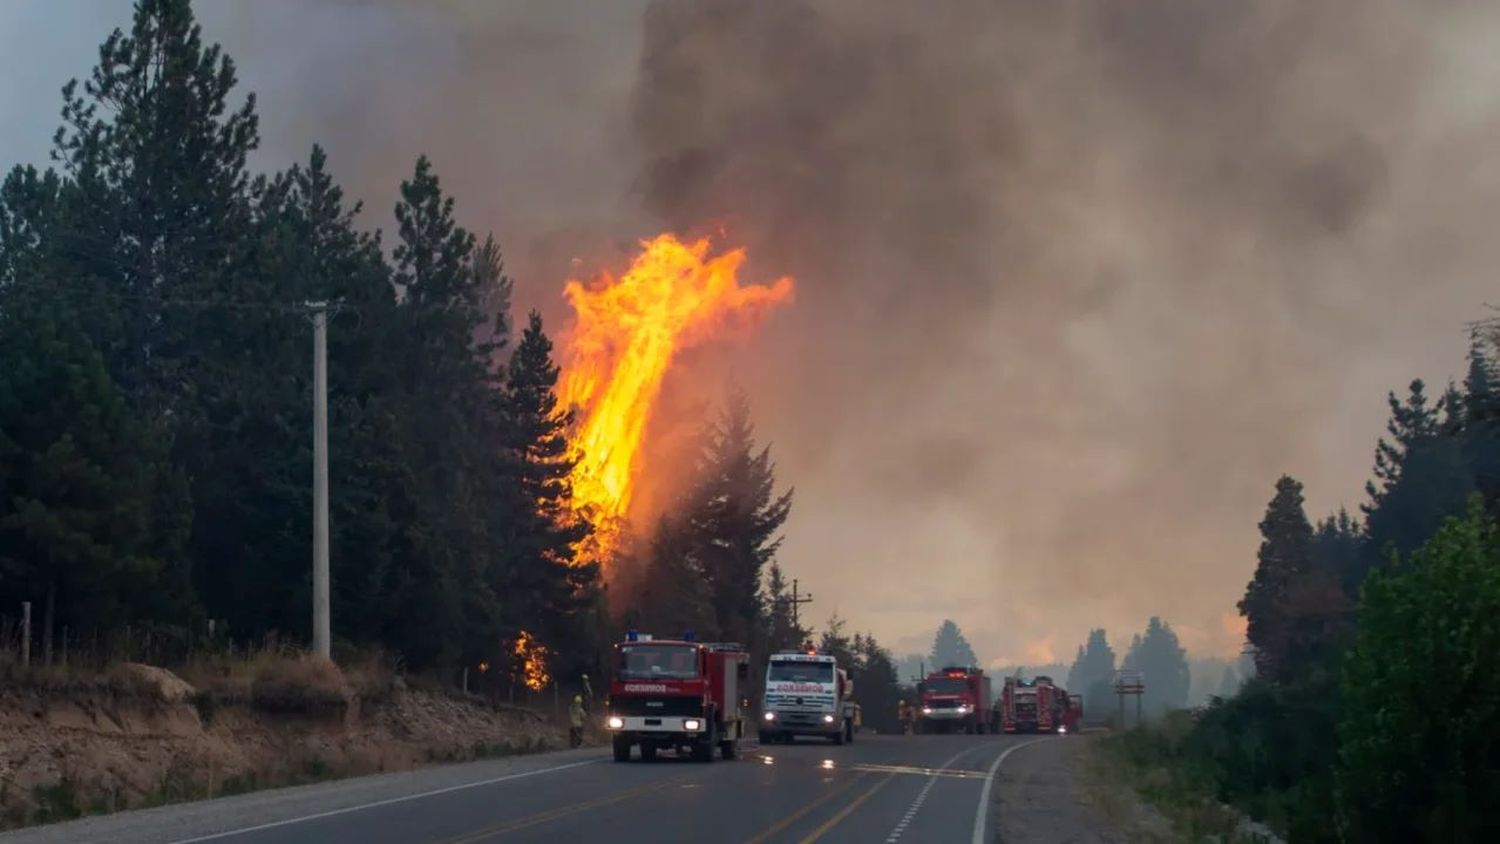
[(626, 333)]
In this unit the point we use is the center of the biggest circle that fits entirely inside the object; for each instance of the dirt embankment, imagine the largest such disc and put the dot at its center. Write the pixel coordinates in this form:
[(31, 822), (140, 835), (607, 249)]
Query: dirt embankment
[(140, 736)]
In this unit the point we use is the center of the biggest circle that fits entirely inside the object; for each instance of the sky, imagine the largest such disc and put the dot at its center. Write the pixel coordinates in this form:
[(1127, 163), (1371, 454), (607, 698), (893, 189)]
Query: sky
[(1077, 281)]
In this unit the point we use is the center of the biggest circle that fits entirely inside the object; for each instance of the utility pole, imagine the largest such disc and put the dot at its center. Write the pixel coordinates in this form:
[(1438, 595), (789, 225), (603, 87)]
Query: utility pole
[(796, 602), (322, 635)]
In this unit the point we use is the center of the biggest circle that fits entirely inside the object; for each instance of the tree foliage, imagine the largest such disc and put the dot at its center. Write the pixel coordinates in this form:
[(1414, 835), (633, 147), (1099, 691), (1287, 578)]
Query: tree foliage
[(1420, 754), (1093, 672), (155, 389), (950, 648), (1163, 664)]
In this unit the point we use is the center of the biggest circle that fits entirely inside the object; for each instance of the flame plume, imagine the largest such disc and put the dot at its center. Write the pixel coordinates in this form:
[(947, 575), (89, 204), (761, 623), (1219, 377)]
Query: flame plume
[(625, 335)]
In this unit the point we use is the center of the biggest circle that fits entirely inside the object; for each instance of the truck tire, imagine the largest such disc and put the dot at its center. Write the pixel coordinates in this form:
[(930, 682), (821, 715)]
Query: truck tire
[(849, 732), (838, 737), (703, 750), (648, 752), (729, 749), (622, 749)]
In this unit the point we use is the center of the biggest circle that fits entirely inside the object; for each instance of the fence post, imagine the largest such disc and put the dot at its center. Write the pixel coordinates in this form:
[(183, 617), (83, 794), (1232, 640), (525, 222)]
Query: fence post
[(25, 634)]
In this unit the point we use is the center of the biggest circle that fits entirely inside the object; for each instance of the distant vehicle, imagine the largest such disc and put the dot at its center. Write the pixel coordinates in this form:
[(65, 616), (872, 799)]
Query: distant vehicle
[(677, 694), (955, 699), (807, 694), (1037, 706)]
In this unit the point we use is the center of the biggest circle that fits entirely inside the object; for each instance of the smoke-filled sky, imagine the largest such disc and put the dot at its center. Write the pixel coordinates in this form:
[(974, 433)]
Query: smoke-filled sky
[(1076, 280)]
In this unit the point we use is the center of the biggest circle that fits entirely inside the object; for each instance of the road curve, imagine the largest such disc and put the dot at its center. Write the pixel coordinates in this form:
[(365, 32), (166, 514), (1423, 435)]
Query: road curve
[(881, 789)]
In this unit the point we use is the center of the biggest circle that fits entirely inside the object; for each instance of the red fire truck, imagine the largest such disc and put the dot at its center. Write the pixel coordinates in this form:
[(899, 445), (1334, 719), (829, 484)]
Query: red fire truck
[(1037, 706), (677, 694), (955, 698)]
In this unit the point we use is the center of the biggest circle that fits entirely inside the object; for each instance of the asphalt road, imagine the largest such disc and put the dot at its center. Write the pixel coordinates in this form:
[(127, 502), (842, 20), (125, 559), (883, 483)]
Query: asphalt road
[(880, 789)]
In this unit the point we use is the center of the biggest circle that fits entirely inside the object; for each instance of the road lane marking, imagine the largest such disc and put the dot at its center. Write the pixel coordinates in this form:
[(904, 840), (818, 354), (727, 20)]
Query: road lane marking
[(392, 801), (802, 812), (982, 814), (845, 812), (959, 773), (507, 827), (916, 805)]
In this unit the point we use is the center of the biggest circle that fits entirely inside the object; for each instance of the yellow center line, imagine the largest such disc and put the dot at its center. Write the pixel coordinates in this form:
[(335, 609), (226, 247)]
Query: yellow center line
[(802, 812), (507, 827), (845, 812)]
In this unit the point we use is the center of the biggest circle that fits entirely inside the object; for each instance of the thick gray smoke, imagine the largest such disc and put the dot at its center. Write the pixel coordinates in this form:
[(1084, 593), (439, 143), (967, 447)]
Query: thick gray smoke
[(1077, 280)]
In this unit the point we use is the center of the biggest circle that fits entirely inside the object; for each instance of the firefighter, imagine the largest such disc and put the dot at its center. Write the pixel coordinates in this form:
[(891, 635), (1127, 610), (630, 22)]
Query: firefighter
[(903, 711), (588, 694), (575, 722)]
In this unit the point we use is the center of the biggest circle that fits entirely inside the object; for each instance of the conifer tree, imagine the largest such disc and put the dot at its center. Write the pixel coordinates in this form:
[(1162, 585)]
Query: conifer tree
[(1285, 554)]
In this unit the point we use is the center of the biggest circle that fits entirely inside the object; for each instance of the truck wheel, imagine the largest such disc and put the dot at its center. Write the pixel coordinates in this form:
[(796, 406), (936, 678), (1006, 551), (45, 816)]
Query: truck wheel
[(703, 750), (622, 749), (849, 731), (838, 737), (648, 752), (729, 749)]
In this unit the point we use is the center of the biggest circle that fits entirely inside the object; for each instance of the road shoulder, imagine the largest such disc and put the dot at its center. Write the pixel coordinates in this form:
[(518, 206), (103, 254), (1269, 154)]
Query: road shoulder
[(1056, 791)]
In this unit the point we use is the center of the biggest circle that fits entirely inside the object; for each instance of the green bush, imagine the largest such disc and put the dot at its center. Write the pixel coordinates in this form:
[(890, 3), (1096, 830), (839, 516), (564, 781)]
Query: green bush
[(1420, 754)]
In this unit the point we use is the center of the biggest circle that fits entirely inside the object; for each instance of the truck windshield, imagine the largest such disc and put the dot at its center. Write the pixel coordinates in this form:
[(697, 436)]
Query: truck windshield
[(946, 686), (800, 672), (657, 662)]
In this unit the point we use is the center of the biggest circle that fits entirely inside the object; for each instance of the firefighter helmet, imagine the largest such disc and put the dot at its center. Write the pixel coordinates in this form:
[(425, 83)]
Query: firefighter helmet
[(578, 698)]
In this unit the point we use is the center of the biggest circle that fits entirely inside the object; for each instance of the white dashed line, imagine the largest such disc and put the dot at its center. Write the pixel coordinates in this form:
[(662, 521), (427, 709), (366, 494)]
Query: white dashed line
[(916, 805)]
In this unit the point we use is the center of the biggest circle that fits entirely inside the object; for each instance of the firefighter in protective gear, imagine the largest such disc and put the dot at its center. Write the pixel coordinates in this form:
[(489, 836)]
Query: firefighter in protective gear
[(575, 722), (904, 712)]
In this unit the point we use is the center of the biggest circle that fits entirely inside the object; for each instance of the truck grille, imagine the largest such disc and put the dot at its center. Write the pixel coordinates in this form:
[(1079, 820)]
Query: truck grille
[(652, 706)]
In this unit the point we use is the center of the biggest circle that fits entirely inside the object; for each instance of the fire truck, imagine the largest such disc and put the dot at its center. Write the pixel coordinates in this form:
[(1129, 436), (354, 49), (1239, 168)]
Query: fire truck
[(1037, 706), (807, 694), (677, 694), (955, 698)]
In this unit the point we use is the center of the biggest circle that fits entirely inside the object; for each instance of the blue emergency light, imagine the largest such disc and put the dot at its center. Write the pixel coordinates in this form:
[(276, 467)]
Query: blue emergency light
[(631, 635), (687, 635)]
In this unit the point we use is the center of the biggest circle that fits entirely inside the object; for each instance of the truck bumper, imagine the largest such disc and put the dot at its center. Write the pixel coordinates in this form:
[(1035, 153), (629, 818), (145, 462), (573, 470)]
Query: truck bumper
[(801, 724), (664, 730)]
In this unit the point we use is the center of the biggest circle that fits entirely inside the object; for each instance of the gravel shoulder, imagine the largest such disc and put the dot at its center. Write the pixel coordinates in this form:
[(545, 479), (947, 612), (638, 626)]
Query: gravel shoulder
[(1059, 792)]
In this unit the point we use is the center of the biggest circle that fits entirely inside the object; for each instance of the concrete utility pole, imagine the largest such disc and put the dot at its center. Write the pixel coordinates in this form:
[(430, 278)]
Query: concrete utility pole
[(322, 635)]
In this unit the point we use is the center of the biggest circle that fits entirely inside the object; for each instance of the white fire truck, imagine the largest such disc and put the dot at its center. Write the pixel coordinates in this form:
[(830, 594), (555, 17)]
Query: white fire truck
[(807, 694)]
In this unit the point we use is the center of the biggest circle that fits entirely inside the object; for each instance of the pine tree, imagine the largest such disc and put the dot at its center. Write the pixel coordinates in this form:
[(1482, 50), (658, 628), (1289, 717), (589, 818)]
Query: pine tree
[(1421, 474), (1092, 674), (80, 475), (950, 648), (1481, 438), (544, 585), (1285, 554), (835, 642), (735, 517), (1164, 667)]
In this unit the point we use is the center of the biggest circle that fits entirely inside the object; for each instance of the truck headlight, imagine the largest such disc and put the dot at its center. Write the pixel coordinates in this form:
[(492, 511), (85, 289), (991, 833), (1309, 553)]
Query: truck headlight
[(692, 725), (615, 722), (963, 709), (926, 710), (770, 716), (828, 719)]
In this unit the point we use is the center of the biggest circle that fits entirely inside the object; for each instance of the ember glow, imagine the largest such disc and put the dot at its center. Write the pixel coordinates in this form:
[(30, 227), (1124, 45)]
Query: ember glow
[(625, 334)]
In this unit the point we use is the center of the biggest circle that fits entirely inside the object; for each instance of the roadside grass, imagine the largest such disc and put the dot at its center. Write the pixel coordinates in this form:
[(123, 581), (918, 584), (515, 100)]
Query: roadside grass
[(1153, 762)]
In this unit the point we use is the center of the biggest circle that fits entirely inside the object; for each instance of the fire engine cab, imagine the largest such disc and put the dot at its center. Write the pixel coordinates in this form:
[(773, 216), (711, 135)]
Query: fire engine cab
[(677, 694)]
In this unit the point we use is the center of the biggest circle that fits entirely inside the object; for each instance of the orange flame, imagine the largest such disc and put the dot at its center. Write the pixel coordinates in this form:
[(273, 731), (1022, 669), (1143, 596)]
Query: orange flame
[(625, 335), (533, 659)]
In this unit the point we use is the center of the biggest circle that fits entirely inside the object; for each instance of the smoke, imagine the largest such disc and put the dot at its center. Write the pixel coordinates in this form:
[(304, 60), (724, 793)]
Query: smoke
[(1076, 280)]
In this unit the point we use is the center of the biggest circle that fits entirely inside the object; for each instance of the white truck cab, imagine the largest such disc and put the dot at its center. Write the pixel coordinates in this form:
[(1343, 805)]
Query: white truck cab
[(807, 694)]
